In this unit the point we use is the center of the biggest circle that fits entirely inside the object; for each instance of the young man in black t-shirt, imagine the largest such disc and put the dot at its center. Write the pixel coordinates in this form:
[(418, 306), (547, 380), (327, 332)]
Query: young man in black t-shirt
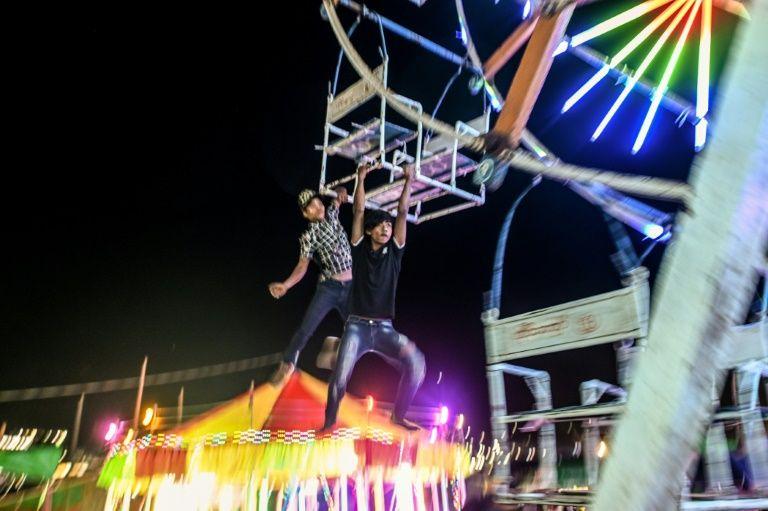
[(377, 252)]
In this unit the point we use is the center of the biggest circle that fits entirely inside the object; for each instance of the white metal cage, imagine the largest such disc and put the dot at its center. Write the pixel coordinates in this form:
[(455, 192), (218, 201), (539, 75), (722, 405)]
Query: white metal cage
[(439, 163)]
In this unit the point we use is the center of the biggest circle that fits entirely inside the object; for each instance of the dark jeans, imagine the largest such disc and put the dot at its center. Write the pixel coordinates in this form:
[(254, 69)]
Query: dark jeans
[(365, 335), (329, 294)]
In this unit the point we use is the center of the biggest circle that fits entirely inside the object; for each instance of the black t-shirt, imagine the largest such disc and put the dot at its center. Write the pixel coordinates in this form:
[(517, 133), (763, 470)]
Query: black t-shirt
[(374, 279)]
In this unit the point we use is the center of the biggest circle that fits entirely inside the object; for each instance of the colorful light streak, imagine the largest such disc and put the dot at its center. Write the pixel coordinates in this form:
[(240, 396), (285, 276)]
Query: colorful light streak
[(111, 432), (495, 102), (653, 231), (527, 9), (487, 87), (705, 43), (602, 450), (149, 414), (442, 417), (700, 134), (659, 94), (679, 9), (462, 34), (561, 48), (617, 21), (623, 53), (702, 82), (632, 81)]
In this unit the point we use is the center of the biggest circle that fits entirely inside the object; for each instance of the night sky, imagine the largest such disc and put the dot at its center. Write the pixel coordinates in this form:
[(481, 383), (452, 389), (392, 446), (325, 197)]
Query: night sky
[(155, 159)]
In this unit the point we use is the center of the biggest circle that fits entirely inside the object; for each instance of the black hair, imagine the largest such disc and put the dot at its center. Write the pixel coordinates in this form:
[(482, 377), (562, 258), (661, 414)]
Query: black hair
[(374, 217)]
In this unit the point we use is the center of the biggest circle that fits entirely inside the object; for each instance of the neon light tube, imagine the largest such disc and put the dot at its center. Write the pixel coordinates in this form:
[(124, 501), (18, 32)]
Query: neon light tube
[(617, 21), (632, 81), (622, 54), (640, 140)]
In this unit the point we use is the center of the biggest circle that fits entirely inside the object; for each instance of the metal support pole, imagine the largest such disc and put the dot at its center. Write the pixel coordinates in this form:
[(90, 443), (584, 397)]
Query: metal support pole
[(509, 47), (139, 393), (409, 35), (250, 403), (324, 159), (752, 427), (498, 402), (383, 113), (501, 249), (180, 406), (625, 354), (639, 216), (448, 188), (76, 427), (718, 460), (538, 383), (547, 473), (529, 77), (591, 391), (446, 211), (590, 395)]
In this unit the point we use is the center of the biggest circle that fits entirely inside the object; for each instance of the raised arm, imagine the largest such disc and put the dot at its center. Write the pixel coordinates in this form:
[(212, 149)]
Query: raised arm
[(401, 222), (358, 206), (278, 289)]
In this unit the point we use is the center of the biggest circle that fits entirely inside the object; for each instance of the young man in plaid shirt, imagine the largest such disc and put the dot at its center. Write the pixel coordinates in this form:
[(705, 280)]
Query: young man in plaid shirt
[(325, 242)]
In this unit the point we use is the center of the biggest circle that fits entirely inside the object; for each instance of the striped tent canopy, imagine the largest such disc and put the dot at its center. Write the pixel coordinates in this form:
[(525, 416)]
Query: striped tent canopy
[(265, 443)]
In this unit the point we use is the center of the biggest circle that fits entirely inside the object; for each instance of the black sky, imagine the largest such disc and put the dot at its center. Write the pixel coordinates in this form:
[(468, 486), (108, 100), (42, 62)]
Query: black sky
[(152, 163)]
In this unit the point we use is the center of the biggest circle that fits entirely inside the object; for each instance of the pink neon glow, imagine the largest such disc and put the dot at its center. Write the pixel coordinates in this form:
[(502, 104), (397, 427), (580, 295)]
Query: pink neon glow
[(111, 432), (443, 417)]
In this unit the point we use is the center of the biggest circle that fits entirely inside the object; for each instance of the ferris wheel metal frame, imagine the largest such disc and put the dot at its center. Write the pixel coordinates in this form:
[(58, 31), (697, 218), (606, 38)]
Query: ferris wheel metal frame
[(508, 144)]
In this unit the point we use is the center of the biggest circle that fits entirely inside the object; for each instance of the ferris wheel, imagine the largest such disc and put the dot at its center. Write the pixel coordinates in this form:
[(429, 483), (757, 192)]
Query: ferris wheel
[(460, 162)]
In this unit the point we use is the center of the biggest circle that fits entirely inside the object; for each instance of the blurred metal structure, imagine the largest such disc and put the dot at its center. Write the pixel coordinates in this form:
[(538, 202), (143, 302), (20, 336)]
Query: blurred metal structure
[(670, 368), (439, 162), (436, 177), (707, 280), (538, 384), (600, 319)]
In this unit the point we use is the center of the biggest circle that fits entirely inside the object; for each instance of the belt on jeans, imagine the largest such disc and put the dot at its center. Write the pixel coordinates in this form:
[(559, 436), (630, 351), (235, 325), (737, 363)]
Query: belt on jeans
[(331, 279), (370, 321)]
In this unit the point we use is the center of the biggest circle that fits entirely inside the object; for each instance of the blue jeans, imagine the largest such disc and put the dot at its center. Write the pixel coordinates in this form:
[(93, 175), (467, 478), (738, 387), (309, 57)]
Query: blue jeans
[(362, 336), (330, 294)]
